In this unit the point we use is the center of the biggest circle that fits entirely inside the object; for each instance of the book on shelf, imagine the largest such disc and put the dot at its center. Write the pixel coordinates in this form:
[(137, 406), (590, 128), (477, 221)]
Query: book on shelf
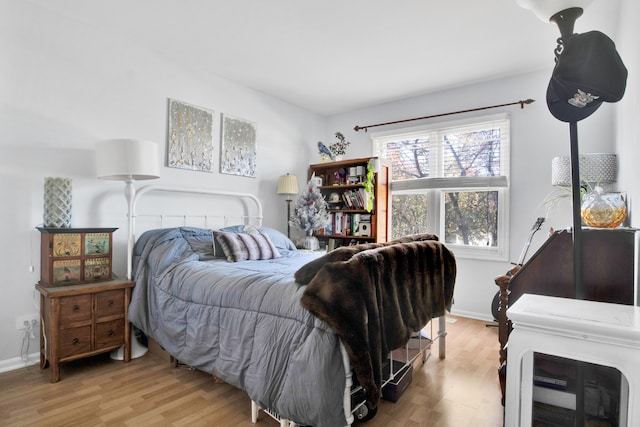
[(338, 223), (352, 199), (355, 223), (554, 397), (550, 382)]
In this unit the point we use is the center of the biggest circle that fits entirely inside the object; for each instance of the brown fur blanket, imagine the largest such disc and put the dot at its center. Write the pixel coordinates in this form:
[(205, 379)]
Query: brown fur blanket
[(378, 298), (308, 271)]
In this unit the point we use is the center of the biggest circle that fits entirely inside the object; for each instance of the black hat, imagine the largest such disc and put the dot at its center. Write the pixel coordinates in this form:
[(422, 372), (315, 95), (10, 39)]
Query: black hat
[(588, 72)]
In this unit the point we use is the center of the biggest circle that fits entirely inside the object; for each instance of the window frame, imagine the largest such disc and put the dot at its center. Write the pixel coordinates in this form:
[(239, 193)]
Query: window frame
[(435, 187)]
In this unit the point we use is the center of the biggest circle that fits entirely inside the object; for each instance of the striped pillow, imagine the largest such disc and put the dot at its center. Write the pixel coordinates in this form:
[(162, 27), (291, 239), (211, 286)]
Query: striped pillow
[(243, 246)]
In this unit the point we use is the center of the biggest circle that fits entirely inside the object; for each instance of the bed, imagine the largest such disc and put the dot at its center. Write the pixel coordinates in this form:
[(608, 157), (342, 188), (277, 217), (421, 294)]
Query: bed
[(286, 326)]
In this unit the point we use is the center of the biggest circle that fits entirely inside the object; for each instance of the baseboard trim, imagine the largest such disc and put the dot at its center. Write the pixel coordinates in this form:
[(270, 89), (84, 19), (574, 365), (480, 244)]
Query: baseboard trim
[(472, 315), (154, 348), (17, 362)]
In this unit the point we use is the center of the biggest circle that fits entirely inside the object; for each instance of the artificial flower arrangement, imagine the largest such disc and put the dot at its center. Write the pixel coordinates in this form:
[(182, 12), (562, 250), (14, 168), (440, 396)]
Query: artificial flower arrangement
[(339, 148)]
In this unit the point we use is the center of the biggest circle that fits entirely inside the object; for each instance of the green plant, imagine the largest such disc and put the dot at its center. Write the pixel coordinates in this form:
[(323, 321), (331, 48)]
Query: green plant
[(368, 185), (561, 192)]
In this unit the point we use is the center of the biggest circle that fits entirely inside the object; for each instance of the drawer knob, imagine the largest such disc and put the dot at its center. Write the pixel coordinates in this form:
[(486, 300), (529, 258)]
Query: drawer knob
[(110, 333), (75, 341), (111, 302), (76, 308)]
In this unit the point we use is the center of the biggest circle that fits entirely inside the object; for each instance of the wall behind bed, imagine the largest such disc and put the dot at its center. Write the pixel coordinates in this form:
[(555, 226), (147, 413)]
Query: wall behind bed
[(65, 86)]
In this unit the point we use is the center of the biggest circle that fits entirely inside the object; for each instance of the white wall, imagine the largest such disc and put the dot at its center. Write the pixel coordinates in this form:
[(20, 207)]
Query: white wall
[(628, 118), (536, 137), (628, 123), (65, 86)]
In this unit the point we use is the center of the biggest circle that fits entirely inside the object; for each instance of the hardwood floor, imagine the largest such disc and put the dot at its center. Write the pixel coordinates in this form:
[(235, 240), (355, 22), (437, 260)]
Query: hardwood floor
[(461, 390)]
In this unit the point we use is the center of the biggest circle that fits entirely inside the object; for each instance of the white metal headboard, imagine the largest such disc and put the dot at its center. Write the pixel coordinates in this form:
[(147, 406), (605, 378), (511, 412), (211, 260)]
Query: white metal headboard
[(132, 211)]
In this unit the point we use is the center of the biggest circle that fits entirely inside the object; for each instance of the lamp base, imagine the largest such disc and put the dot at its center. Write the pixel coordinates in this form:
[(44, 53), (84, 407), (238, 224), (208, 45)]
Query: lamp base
[(566, 19), (137, 350)]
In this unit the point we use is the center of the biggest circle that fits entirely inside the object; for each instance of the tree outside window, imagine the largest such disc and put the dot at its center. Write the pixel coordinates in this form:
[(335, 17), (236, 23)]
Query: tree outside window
[(451, 181)]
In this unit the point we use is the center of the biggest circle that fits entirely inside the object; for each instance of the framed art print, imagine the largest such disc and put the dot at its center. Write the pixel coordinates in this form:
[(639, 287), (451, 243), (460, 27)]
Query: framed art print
[(238, 147), (190, 141)]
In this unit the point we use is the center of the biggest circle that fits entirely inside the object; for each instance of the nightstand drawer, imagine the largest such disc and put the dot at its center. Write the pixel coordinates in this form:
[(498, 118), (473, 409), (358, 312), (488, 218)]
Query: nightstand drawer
[(109, 334), (75, 341), (110, 303), (75, 309)]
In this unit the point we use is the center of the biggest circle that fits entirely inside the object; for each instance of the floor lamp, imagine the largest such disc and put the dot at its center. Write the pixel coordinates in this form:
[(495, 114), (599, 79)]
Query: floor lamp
[(288, 185), (588, 71), (128, 160)]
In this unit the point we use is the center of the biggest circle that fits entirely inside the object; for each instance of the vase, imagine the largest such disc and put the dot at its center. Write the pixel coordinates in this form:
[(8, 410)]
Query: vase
[(57, 202), (310, 241), (338, 157), (603, 209)]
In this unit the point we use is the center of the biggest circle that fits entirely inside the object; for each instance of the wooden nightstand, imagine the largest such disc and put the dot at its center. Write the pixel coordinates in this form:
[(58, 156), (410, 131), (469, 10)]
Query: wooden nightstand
[(83, 320)]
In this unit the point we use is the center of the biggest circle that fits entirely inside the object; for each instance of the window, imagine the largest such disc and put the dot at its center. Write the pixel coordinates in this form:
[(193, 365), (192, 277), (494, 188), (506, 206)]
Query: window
[(451, 179)]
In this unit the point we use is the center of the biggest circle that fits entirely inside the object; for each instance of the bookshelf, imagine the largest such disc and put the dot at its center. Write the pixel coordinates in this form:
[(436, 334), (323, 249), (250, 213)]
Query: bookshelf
[(344, 187)]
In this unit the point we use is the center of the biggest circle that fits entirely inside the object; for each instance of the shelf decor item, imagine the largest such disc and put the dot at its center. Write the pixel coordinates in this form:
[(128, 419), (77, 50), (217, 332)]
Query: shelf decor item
[(339, 148), (57, 202), (310, 213), (602, 209), (75, 255), (596, 170)]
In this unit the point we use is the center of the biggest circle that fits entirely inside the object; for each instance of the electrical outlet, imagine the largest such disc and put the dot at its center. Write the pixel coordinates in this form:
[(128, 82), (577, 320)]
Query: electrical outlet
[(28, 319)]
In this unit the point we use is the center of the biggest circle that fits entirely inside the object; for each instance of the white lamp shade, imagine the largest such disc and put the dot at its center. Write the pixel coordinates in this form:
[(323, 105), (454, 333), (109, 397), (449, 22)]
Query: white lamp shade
[(595, 168), (127, 159), (288, 184), (545, 9)]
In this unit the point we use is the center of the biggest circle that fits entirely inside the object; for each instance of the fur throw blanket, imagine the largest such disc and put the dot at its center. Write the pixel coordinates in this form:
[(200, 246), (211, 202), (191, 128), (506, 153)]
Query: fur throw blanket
[(376, 299), (308, 271)]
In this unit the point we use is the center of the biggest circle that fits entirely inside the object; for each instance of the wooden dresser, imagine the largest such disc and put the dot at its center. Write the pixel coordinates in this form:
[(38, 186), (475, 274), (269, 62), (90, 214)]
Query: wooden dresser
[(608, 270), (83, 320)]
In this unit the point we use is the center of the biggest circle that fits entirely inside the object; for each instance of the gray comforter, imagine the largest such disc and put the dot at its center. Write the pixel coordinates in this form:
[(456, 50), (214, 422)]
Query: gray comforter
[(241, 322)]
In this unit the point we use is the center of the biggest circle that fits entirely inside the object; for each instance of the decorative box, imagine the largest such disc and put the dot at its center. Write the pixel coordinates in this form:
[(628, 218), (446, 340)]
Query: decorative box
[(70, 256)]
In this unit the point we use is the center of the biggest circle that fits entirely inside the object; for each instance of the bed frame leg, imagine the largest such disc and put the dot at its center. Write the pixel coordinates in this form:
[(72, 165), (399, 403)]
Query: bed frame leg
[(348, 415), (442, 334), (254, 412)]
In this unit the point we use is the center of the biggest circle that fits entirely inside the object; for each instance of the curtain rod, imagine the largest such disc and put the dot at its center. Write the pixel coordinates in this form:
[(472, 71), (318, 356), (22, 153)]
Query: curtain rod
[(522, 104)]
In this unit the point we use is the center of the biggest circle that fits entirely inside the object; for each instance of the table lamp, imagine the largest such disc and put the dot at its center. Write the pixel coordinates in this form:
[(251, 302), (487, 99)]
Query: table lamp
[(288, 185)]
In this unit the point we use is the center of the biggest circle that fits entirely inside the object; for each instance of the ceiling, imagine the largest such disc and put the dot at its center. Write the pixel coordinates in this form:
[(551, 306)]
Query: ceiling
[(332, 56)]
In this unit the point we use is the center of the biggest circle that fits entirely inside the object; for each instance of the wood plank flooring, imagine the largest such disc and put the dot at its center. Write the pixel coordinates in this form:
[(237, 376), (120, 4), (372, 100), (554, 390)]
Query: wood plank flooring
[(461, 390)]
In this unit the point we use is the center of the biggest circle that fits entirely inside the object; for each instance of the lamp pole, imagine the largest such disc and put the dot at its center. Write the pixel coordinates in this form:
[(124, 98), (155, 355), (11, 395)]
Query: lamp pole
[(288, 216)]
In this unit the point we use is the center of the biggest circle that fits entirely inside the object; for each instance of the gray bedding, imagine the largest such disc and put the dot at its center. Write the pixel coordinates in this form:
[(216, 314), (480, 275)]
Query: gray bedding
[(240, 321)]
